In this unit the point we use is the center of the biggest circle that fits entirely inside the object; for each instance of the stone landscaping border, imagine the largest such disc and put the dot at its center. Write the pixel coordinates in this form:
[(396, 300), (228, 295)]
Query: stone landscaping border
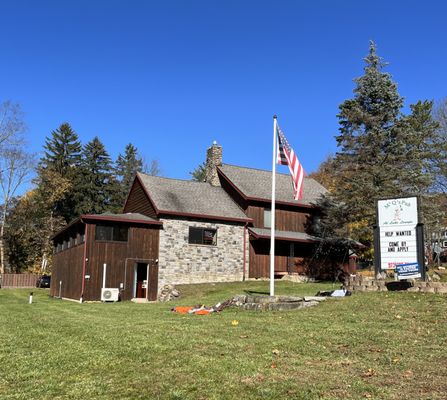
[(358, 283)]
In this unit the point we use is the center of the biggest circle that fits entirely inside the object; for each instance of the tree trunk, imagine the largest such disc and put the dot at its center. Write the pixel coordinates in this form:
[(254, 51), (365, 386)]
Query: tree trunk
[(2, 246)]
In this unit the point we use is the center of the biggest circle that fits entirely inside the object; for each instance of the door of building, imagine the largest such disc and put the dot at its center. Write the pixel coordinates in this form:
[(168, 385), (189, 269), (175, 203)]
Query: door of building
[(141, 281)]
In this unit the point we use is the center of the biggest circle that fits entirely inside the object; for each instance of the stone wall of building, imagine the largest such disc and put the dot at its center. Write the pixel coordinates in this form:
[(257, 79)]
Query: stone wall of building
[(181, 262)]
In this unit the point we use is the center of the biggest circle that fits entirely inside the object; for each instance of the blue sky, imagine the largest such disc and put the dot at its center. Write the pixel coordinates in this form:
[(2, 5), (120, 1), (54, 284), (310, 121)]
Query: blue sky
[(172, 76)]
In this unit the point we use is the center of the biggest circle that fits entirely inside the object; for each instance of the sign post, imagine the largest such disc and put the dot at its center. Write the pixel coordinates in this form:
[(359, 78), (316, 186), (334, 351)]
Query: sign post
[(399, 243)]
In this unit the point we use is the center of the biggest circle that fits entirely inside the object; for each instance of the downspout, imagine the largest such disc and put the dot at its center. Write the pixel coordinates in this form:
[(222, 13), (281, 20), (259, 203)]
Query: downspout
[(244, 272), (84, 264)]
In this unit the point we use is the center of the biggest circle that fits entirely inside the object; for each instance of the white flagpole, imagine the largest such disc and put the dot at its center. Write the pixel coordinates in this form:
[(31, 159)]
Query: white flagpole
[(272, 213)]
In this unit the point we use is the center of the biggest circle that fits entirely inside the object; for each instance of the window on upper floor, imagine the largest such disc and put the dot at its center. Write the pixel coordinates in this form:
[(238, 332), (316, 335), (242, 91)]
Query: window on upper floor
[(206, 236), (267, 218), (111, 233)]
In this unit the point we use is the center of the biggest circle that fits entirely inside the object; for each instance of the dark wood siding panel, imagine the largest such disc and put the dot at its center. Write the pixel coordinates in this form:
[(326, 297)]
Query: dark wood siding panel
[(257, 215), (67, 267), (286, 220), (293, 221), (120, 258), (284, 263), (138, 201)]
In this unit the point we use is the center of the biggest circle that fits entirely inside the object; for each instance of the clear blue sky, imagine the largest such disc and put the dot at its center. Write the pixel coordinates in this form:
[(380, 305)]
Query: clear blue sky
[(172, 76)]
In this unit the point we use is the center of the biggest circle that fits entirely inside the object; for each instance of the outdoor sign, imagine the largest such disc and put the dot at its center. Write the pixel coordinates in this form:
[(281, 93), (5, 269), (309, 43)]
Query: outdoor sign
[(408, 271), (397, 221)]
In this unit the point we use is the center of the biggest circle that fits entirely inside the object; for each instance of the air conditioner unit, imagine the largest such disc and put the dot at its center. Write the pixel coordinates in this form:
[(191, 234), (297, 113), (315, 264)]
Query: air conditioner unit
[(109, 294)]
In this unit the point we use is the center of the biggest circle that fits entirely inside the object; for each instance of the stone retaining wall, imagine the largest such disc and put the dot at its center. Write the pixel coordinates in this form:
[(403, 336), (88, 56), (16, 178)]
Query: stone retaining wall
[(360, 283)]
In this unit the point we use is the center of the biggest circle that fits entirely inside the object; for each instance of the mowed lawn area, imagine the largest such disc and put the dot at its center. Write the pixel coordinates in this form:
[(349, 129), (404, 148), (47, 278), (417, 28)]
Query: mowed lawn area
[(370, 345)]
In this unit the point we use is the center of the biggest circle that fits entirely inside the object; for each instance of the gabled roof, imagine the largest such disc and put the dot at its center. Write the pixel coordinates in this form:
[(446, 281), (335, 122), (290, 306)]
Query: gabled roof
[(256, 184), (190, 198)]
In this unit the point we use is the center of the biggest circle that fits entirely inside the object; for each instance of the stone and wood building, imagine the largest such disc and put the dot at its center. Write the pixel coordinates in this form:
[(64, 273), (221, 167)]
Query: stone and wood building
[(175, 231)]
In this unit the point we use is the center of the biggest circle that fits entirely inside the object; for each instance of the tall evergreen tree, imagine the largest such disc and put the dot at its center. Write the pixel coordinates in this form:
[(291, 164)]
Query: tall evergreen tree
[(96, 184), (61, 161), (126, 167), (382, 153), (62, 151)]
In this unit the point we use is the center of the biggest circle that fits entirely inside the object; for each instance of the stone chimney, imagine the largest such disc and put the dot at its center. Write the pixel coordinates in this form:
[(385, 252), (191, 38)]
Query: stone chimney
[(213, 160)]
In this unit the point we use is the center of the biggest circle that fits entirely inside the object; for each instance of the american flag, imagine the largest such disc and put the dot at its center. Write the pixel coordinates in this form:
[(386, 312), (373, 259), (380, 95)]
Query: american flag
[(286, 156)]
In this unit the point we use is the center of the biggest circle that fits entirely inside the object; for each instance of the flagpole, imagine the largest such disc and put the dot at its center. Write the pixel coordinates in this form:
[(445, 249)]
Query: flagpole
[(272, 214)]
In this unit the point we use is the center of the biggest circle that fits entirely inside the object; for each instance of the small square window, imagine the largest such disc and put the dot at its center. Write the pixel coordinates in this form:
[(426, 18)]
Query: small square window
[(204, 236), (120, 233)]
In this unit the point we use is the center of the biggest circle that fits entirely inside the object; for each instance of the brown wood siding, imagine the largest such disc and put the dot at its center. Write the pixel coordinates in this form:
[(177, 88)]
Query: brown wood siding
[(138, 201), (259, 254), (120, 258), (257, 215), (67, 267), (286, 220)]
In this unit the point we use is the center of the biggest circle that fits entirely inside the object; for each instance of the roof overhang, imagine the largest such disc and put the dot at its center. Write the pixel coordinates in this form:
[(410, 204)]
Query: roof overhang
[(92, 217), (163, 213), (288, 236)]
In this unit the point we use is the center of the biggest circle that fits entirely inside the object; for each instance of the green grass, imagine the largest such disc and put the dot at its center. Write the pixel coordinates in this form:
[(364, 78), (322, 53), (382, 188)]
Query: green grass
[(370, 345)]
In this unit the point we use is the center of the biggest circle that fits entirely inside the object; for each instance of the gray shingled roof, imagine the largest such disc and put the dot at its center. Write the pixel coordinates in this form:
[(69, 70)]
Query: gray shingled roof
[(256, 183), (190, 197), (287, 235)]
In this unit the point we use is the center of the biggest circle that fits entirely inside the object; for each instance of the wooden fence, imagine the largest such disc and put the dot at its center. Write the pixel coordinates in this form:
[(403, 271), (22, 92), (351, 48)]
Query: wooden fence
[(18, 280)]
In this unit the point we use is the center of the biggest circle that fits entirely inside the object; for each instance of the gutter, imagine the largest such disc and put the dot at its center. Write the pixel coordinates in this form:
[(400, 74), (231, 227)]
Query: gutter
[(244, 272)]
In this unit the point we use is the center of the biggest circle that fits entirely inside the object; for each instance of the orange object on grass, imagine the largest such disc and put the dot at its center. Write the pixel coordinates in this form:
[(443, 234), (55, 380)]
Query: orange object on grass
[(202, 312), (183, 310)]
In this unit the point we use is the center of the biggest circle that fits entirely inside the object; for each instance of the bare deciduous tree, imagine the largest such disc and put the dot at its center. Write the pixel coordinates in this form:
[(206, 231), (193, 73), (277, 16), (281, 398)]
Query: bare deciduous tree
[(15, 163)]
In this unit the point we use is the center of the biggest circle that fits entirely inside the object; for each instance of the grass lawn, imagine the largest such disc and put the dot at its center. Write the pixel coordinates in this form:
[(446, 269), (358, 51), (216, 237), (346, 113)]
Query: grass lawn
[(371, 345)]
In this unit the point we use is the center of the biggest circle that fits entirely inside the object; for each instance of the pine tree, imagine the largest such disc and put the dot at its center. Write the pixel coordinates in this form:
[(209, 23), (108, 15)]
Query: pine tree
[(126, 167), (199, 173), (96, 184), (382, 153), (61, 161), (62, 151)]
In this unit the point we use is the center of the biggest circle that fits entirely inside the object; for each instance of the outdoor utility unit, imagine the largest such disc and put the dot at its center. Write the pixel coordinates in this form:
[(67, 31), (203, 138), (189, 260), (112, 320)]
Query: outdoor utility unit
[(109, 294)]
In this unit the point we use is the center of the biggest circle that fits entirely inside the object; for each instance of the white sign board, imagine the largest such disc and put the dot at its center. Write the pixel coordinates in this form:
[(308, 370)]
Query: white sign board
[(398, 212), (397, 223)]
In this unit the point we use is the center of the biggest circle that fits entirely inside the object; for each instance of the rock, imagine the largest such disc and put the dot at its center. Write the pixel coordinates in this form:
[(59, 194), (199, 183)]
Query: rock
[(441, 290), (413, 289), (168, 293), (436, 277), (314, 298)]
